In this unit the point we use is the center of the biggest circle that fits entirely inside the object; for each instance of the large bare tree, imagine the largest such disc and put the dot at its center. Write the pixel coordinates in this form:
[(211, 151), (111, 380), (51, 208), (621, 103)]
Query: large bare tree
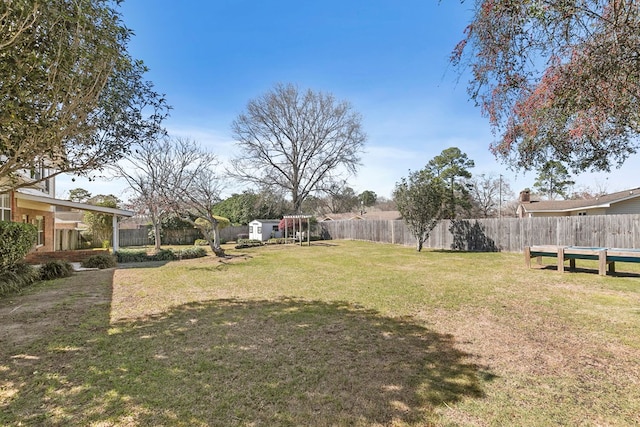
[(299, 141), (558, 79), (73, 99)]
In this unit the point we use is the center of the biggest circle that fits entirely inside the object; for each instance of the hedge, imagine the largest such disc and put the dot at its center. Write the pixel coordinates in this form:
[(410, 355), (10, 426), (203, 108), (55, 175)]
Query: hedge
[(16, 240)]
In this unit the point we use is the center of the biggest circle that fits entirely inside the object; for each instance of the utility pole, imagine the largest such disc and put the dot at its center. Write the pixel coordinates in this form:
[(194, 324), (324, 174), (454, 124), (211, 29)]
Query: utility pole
[(500, 213), (500, 200)]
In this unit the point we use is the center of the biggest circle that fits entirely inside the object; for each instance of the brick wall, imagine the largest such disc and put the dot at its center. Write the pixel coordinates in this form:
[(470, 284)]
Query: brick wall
[(49, 225)]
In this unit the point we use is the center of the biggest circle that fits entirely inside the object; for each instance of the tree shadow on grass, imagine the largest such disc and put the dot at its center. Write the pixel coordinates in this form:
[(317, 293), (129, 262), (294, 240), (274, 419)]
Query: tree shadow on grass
[(235, 362), (470, 236)]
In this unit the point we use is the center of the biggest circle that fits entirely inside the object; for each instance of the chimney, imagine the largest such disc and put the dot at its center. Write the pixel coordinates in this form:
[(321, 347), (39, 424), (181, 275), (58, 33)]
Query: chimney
[(525, 196)]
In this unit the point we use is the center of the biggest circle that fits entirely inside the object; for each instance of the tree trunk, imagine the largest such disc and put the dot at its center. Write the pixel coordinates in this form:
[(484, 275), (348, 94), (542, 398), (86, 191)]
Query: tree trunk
[(157, 229), (213, 236), (418, 244)]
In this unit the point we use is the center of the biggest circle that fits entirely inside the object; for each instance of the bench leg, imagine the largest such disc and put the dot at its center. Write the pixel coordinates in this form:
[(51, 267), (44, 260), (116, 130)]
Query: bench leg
[(612, 267), (602, 262), (572, 264), (527, 256)]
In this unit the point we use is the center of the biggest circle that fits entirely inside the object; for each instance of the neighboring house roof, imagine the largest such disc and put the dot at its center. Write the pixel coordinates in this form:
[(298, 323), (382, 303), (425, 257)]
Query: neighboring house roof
[(604, 201), (266, 220), (383, 215), (340, 217), (75, 205), (375, 215)]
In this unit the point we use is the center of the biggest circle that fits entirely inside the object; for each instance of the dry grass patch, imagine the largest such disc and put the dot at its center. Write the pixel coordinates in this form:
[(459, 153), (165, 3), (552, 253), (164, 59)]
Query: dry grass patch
[(231, 362)]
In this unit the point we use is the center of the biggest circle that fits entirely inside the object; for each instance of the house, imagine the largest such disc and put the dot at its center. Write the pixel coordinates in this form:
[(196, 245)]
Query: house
[(621, 202), (37, 205), (264, 229)]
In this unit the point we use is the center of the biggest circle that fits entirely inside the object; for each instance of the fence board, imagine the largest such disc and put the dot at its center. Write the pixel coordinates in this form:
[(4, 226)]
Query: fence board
[(505, 234), (140, 236)]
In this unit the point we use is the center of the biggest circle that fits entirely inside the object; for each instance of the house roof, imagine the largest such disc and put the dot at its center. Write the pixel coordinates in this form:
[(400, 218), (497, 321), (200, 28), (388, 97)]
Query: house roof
[(604, 201), (374, 215), (74, 205), (340, 217)]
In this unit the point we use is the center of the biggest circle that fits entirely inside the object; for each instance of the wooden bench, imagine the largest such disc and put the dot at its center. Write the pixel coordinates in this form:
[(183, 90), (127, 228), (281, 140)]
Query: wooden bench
[(606, 257)]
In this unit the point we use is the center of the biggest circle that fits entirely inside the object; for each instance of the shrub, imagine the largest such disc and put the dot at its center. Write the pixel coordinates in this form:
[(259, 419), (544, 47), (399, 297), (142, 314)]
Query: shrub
[(164, 255), (55, 270), (17, 277), (141, 255), (100, 261), (132, 255), (242, 236), (280, 241), (248, 243), (195, 252), (204, 242), (16, 240)]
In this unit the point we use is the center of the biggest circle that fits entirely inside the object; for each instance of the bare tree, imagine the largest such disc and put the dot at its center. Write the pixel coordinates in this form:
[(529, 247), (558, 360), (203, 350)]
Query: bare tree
[(176, 176), (157, 170), (297, 141), (488, 193), (196, 199)]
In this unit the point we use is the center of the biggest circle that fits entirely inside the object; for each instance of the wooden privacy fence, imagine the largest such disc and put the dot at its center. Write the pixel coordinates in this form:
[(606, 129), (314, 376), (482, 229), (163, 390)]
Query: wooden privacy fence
[(140, 236), (504, 234)]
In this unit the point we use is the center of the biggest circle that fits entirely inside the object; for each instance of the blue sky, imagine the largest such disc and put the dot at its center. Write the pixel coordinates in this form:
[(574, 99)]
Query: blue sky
[(389, 59)]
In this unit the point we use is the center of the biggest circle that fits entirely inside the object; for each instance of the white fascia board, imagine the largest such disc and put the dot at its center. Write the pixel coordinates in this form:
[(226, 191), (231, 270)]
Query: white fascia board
[(74, 205)]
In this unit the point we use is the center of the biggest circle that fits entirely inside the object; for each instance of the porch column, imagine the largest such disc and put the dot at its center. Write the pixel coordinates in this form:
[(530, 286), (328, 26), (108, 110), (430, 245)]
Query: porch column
[(116, 237)]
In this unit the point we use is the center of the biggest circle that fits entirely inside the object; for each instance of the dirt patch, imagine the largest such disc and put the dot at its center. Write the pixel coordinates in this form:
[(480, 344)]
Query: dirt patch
[(52, 305), (49, 306)]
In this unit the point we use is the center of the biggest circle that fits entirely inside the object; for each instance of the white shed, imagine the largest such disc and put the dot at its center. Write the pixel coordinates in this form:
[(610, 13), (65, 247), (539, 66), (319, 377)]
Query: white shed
[(264, 229)]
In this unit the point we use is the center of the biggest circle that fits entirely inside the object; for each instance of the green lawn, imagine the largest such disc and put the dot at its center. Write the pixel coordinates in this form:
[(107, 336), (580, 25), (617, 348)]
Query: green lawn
[(339, 333)]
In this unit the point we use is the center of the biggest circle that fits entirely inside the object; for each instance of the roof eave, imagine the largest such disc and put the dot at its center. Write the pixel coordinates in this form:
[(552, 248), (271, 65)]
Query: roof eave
[(74, 205)]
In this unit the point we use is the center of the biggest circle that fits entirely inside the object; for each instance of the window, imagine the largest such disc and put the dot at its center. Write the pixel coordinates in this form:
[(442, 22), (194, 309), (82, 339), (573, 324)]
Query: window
[(251, 229), (5, 207), (39, 223), (39, 173), (259, 230), (583, 213)]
